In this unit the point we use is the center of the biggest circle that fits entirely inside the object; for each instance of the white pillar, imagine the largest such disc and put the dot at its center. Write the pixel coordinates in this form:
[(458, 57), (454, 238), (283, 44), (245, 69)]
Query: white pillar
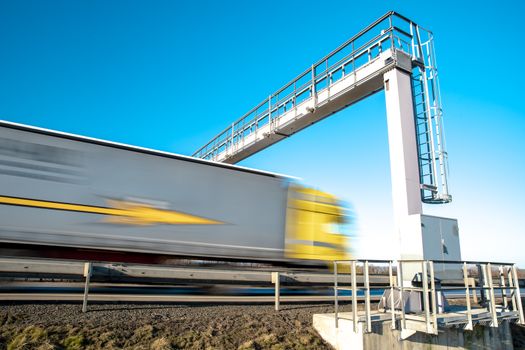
[(406, 194)]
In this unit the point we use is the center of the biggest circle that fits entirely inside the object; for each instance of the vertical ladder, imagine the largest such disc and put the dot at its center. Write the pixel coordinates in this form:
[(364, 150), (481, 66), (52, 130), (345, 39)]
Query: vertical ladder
[(433, 158)]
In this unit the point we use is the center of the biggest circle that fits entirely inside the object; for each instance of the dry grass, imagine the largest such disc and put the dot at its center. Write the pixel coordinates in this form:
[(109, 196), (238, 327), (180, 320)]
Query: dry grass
[(142, 328)]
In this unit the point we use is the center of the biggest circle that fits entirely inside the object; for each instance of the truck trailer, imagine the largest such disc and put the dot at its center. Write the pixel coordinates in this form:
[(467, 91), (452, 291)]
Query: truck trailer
[(69, 192)]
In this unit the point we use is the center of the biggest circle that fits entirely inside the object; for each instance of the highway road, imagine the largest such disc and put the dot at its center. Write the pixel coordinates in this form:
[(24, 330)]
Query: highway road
[(130, 273), (149, 298), (21, 280)]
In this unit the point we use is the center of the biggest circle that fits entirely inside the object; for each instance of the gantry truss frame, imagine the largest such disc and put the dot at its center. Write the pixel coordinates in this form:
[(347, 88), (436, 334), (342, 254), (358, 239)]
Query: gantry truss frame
[(346, 75)]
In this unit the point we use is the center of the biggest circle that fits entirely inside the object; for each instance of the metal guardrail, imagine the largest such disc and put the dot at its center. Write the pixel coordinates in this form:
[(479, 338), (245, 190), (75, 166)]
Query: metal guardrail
[(89, 272), (40, 268), (497, 287)]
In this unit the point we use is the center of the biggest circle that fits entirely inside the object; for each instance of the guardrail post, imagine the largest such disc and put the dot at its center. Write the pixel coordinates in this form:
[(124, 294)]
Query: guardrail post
[(88, 267), (276, 280)]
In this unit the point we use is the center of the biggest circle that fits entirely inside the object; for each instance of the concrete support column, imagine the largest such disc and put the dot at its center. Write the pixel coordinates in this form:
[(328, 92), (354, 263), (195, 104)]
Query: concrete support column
[(406, 194)]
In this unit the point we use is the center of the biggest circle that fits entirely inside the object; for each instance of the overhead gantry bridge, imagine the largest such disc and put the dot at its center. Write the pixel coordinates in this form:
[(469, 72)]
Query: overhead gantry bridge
[(392, 54)]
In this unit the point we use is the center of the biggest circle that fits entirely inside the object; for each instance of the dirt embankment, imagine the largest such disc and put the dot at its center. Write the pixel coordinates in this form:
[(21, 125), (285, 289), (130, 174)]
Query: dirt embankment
[(135, 326)]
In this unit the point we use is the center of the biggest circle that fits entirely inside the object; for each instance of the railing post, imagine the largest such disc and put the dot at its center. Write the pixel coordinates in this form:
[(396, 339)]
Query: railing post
[(492, 302), (314, 90), (367, 299), (270, 112), (433, 296), (392, 301), (503, 288), (336, 302), (88, 267), (353, 62), (401, 292), (517, 294), (354, 297), (426, 306), (467, 296), (232, 136), (392, 40)]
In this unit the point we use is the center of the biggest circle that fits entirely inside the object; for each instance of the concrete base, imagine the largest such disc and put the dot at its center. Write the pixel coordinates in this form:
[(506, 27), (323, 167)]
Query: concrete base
[(383, 337), (341, 338)]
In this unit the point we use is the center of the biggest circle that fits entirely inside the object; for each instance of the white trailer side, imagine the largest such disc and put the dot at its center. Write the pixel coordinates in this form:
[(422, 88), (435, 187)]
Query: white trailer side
[(52, 183)]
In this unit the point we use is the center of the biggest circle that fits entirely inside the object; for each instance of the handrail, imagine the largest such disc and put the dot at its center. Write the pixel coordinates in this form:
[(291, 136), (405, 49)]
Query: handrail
[(491, 276), (228, 134), (385, 37)]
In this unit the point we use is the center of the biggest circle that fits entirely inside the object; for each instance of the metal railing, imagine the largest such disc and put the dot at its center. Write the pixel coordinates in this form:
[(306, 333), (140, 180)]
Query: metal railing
[(484, 293), (353, 266), (390, 31)]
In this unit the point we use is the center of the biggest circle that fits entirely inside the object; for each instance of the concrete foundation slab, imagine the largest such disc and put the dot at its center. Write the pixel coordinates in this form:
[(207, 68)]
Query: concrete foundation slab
[(341, 338), (384, 337)]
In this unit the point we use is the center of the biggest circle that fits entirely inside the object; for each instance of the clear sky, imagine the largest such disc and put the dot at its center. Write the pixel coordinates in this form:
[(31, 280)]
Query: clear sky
[(170, 75)]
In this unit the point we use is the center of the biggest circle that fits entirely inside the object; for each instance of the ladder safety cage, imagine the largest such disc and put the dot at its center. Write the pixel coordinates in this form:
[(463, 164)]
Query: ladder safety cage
[(390, 33), (428, 113)]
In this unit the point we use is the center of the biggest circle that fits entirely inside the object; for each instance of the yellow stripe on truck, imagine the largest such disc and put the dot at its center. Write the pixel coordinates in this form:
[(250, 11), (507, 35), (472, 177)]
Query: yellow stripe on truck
[(121, 212)]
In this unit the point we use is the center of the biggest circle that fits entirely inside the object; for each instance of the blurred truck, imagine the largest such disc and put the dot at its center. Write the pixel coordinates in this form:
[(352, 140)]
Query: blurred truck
[(66, 192)]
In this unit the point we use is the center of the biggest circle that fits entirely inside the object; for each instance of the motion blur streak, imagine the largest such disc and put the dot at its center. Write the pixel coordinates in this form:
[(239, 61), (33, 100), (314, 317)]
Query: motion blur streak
[(70, 192), (313, 226)]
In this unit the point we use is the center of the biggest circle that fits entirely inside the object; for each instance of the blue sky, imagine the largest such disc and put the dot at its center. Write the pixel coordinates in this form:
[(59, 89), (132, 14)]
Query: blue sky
[(170, 75)]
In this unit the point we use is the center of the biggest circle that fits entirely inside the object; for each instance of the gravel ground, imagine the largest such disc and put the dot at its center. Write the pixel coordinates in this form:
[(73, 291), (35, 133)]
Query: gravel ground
[(139, 326), (145, 326)]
